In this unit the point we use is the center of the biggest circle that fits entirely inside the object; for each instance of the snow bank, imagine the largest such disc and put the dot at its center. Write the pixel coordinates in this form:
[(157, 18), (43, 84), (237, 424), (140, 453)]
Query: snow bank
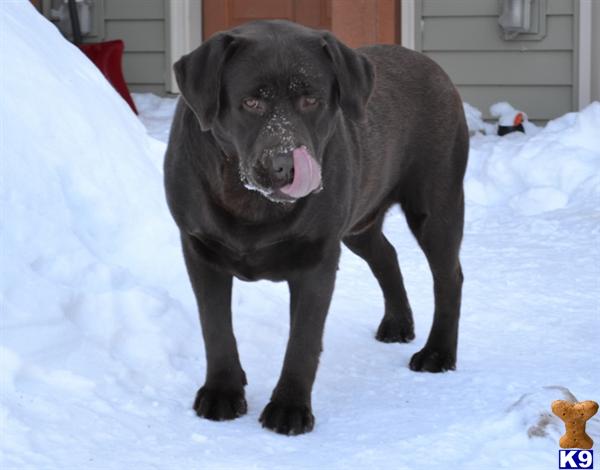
[(85, 229), (558, 166), (90, 258)]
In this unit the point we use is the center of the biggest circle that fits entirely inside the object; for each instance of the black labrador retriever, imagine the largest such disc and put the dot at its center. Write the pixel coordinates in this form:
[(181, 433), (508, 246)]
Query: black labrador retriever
[(286, 143)]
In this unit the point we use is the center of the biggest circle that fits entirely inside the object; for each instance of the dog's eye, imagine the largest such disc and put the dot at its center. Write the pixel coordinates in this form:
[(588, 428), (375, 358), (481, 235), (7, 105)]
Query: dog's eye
[(253, 104), (308, 102)]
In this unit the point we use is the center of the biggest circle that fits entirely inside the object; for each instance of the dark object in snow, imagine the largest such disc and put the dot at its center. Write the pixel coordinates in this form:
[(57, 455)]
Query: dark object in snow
[(532, 409), (107, 56), (270, 168), (509, 119), (503, 130)]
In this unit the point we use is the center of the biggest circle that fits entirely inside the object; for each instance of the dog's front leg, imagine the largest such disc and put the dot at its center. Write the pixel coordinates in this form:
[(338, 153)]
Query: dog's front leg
[(222, 396), (289, 411)]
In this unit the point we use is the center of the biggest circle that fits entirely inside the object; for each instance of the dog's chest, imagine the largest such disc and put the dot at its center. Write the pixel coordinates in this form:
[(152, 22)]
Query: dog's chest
[(275, 261)]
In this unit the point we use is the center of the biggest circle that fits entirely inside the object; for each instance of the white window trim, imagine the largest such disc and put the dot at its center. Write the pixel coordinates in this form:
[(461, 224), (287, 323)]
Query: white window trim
[(408, 22), (584, 53), (595, 51), (184, 30)]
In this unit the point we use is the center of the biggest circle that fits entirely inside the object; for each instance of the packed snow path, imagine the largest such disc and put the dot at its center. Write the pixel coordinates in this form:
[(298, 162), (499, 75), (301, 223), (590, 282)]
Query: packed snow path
[(100, 347)]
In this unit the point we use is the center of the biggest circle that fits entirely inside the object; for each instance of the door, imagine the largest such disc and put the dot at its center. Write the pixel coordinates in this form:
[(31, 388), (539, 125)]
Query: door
[(356, 22)]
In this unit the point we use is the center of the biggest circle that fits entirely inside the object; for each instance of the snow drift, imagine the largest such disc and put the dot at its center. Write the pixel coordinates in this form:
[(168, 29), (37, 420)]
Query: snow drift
[(100, 351), (540, 171), (85, 228)]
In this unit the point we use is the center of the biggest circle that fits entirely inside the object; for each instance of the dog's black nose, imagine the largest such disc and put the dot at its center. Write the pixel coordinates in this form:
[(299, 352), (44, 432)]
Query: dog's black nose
[(282, 169)]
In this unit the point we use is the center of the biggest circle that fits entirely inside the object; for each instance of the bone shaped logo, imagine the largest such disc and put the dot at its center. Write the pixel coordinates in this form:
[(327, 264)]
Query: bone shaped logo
[(575, 415)]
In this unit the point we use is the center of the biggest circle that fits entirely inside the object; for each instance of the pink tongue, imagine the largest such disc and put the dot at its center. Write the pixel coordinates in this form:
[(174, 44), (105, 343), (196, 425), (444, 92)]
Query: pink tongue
[(307, 174)]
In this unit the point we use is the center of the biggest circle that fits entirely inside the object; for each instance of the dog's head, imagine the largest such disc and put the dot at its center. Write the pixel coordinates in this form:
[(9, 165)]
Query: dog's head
[(269, 92)]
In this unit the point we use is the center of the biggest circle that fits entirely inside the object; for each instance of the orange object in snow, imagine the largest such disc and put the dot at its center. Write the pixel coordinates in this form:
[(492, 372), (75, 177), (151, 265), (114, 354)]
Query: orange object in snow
[(518, 119)]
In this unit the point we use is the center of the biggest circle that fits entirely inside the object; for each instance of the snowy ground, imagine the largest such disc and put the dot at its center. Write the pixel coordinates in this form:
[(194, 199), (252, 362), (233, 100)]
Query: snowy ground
[(100, 348)]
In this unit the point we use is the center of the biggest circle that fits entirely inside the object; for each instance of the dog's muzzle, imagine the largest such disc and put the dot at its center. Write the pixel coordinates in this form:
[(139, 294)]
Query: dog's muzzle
[(285, 176), (305, 174)]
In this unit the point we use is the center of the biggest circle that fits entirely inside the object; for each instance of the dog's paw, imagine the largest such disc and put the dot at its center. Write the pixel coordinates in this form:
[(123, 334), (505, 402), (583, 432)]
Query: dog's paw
[(433, 360), (287, 419), (220, 405), (395, 330)]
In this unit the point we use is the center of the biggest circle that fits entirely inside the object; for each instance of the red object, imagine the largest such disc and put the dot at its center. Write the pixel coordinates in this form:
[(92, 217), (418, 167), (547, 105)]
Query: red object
[(107, 57), (518, 119)]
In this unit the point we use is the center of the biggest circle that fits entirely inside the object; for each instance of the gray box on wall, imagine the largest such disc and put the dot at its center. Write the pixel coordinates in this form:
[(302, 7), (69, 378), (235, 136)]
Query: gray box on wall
[(535, 74)]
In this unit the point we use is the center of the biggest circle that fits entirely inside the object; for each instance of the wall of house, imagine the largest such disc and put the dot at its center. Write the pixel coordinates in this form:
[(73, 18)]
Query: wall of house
[(536, 76), (539, 77), (142, 25)]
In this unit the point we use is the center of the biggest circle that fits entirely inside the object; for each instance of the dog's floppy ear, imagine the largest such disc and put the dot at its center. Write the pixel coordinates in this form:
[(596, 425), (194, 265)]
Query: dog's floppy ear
[(198, 76), (354, 74)]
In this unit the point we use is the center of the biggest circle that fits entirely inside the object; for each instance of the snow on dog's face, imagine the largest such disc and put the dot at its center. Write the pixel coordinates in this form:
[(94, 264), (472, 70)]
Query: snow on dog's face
[(278, 115), (271, 98)]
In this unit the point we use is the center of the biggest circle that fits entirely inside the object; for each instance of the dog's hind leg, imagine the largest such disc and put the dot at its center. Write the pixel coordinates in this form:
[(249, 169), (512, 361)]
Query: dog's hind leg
[(372, 246), (438, 231)]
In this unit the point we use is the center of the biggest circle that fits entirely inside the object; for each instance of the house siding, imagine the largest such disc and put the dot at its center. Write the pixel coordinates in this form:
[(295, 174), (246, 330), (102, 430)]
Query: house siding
[(142, 26), (539, 77), (536, 76)]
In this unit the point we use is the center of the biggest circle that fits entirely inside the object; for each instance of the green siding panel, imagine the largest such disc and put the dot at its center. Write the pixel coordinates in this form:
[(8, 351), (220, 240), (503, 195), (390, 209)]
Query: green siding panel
[(138, 35), (537, 76), (144, 67), (507, 68), (140, 88), (484, 7), (561, 7), (135, 9), (483, 34), (141, 24), (541, 103)]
